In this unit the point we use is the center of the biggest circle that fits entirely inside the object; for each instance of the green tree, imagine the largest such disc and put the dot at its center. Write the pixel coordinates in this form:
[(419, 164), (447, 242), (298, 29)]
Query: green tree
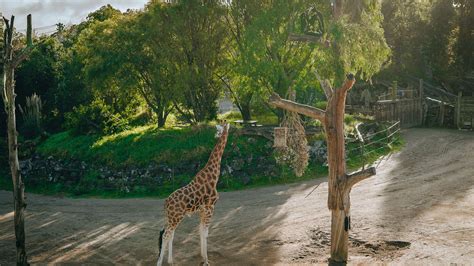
[(405, 23), (39, 74), (197, 48), (440, 31), (240, 15), (464, 47), (137, 67)]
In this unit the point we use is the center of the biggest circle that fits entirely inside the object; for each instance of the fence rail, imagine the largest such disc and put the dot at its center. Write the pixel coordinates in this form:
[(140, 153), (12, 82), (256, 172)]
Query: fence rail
[(407, 111), (426, 105)]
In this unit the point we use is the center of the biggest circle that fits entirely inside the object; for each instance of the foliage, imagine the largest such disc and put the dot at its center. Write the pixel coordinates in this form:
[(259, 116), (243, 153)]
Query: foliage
[(32, 116), (440, 30), (363, 48), (464, 50), (124, 76), (197, 38), (430, 39), (404, 24), (95, 118)]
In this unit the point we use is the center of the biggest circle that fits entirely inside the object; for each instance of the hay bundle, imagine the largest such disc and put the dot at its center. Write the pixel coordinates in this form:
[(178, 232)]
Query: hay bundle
[(295, 154)]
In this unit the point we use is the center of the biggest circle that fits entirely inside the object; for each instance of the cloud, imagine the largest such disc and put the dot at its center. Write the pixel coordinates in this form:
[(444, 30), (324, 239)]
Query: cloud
[(49, 12)]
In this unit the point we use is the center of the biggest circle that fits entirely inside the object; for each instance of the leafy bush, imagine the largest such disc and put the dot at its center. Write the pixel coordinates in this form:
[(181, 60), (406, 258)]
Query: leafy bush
[(3, 153), (31, 114), (95, 118)]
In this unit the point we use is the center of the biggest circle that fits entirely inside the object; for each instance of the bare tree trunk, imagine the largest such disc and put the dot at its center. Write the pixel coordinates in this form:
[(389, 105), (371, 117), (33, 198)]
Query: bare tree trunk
[(18, 186), (339, 182), (8, 95)]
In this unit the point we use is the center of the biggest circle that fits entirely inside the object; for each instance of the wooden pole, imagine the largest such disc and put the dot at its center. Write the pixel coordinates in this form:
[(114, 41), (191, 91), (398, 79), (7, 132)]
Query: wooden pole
[(8, 94), (458, 110), (421, 96), (393, 93), (441, 113), (339, 182)]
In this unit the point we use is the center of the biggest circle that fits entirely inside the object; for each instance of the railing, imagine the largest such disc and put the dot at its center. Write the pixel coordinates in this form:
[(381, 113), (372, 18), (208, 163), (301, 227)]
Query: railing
[(381, 139)]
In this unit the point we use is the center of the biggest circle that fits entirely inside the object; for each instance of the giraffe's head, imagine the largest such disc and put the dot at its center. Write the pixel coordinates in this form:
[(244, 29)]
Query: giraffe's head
[(221, 128)]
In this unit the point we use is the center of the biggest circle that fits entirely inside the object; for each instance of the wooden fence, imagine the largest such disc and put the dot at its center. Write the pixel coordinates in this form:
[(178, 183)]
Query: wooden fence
[(465, 111), (425, 105), (408, 111)]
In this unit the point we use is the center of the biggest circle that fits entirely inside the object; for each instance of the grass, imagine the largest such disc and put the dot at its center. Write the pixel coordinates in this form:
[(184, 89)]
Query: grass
[(135, 147), (173, 146), (262, 119)]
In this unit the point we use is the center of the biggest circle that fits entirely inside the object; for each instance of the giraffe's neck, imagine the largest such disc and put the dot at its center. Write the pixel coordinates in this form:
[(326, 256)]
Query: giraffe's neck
[(214, 162)]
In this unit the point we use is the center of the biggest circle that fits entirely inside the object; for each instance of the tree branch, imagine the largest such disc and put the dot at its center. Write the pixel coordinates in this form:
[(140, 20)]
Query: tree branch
[(22, 56), (304, 109), (350, 80), (304, 38), (325, 85), (356, 177)]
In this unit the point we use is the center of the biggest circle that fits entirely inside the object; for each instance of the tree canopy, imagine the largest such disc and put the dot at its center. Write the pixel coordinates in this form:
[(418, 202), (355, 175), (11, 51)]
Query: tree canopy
[(178, 58)]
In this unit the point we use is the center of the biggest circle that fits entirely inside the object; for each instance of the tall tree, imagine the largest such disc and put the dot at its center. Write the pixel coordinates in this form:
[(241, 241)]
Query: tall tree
[(139, 66), (240, 15), (198, 35), (265, 55), (440, 31), (40, 75), (405, 23), (11, 59), (465, 39)]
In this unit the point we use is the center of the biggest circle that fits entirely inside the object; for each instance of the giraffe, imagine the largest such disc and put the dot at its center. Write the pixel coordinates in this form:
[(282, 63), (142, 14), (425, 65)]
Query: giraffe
[(200, 195)]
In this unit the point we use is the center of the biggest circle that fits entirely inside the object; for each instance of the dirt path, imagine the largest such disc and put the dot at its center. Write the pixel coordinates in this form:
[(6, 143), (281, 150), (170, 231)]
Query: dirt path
[(418, 209)]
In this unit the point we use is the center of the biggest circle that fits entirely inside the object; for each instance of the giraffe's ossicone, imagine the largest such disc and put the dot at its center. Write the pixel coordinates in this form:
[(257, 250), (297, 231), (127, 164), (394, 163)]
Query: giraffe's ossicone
[(200, 195)]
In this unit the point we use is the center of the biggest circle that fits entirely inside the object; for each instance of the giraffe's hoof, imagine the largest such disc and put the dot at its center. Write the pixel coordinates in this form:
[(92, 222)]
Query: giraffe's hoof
[(205, 263)]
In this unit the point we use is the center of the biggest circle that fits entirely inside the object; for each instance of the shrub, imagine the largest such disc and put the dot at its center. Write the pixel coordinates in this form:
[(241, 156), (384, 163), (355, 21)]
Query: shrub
[(3, 153), (31, 115), (95, 118)]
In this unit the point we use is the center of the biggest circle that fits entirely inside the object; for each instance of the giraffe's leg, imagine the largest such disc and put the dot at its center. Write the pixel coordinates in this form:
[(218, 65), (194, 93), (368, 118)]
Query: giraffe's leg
[(204, 230), (206, 215), (170, 248), (165, 241)]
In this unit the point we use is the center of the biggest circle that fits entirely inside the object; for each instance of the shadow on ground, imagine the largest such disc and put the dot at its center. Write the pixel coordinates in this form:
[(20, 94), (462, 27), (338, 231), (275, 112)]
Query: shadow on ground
[(102, 231)]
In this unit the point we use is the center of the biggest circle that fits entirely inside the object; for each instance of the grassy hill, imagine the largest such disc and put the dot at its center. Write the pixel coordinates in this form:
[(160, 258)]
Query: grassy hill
[(147, 161)]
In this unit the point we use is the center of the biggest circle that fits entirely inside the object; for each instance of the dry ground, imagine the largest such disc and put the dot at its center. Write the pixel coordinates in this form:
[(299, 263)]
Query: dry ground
[(418, 209)]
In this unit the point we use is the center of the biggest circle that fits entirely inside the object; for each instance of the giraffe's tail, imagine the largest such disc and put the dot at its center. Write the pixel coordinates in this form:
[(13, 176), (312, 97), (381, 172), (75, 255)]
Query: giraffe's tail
[(160, 241)]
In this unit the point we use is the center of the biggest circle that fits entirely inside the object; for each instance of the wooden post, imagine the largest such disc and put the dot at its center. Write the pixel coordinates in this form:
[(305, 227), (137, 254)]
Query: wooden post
[(458, 110), (339, 182), (421, 96), (441, 113), (10, 62), (393, 93)]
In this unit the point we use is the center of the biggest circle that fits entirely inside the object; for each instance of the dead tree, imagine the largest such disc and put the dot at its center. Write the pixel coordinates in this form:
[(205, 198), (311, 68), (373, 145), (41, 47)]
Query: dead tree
[(340, 183), (11, 59)]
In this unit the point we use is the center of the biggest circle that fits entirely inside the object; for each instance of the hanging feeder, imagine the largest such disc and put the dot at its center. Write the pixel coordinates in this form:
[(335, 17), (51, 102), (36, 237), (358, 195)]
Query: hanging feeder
[(281, 134)]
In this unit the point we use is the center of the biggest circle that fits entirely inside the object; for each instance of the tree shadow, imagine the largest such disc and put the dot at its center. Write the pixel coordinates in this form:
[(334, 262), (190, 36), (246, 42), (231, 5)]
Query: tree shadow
[(125, 231)]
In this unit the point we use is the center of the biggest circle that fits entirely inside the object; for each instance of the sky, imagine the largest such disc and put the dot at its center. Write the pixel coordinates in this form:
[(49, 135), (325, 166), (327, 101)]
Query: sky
[(46, 13)]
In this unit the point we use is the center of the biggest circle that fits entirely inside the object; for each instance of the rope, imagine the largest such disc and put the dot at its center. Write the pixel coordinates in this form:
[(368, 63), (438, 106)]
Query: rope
[(312, 190), (383, 130)]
